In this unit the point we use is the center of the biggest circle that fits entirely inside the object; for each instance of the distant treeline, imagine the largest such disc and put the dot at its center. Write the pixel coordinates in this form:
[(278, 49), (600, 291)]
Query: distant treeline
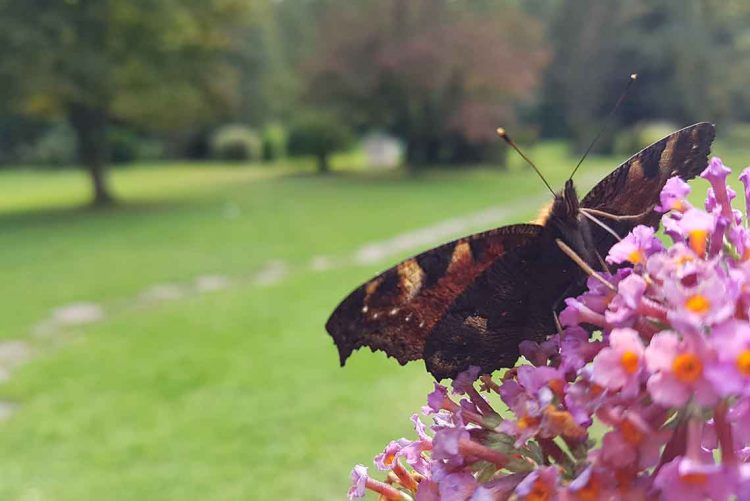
[(91, 82)]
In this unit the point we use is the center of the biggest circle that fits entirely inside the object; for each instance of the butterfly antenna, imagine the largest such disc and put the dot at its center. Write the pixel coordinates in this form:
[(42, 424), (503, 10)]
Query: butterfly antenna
[(633, 78), (501, 132)]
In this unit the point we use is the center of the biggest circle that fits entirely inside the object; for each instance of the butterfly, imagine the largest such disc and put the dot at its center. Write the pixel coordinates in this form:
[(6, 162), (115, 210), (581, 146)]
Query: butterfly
[(471, 302)]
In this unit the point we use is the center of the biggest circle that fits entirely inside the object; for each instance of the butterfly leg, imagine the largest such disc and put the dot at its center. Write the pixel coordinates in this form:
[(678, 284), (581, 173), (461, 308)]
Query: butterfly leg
[(558, 325), (605, 266), (573, 289)]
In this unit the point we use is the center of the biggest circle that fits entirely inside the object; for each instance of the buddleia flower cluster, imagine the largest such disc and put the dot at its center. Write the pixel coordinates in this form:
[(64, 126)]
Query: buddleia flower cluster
[(644, 394)]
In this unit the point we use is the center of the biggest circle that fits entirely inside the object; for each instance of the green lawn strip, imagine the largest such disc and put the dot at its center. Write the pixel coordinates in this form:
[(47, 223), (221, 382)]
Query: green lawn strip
[(54, 257), (234, 394)]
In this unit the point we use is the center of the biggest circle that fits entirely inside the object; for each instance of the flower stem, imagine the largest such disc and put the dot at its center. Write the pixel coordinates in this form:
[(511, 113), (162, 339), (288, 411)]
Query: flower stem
[(468, 447), (724, 434), (386, 491), (404, 477)]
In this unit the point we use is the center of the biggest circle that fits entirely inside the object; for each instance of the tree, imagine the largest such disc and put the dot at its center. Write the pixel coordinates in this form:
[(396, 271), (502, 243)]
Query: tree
[(319, 134), (440, 74), (155, 63), (682, 50)]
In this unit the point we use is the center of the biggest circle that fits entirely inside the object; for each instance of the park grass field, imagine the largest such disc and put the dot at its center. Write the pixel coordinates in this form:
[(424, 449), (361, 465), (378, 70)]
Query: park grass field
[(236, 394)]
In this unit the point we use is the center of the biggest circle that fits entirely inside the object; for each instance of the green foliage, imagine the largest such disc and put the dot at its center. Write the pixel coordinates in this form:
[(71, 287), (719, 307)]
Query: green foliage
[(236, 142), (275, 139), (428, 72), (642, 134), (318, 134), (127, 145), (737, 135), (56, 147), (691, 57)]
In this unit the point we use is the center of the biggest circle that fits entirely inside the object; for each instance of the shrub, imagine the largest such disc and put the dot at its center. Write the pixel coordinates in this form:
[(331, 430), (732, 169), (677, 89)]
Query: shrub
[(126, 145), (318, 134), (236, 142), (56, 147), (274, 138)]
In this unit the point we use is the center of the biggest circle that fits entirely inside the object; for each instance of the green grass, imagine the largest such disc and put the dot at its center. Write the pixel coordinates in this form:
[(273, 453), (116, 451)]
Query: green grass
[(230, 395)]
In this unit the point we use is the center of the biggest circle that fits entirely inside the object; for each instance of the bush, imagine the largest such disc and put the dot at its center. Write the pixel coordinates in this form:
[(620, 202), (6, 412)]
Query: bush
[(274, 142), (126, 145), (236, 142), (318, 134), (642, 134), (56, 147)]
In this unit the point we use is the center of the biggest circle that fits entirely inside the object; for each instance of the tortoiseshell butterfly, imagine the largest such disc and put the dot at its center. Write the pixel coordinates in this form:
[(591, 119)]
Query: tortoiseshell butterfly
[(473, 300)]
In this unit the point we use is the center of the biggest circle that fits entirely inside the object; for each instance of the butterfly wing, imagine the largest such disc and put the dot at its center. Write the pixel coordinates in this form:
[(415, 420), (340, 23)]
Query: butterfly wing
[(634, 187), (512, 301), (398, 310)]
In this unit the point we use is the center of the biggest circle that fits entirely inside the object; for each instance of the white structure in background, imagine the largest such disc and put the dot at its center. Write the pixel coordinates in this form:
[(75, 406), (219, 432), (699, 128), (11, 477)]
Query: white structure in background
[(382, 150)]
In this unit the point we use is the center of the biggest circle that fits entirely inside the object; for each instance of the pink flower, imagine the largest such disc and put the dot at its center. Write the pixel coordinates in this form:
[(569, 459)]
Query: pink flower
[(386, 460), (633, 442), (576, 350), (683, 479), (576, 313), (678, 370), (539, 484), (359, 482), (446, 445), (638, 245), (464, 382), (620, 366), (716, 173), (745, 178), (730, 373), (674, 195), (695, 226), (623, 309), (702, 296), (457, 486)]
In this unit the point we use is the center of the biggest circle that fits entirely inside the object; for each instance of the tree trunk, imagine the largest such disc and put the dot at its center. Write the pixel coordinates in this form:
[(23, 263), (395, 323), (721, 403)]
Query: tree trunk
[(323, 166), (90, 125)]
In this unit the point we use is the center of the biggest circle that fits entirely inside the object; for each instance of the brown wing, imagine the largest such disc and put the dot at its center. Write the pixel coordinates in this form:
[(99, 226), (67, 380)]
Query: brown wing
[(396, 311), (512, 301), (634, 187)]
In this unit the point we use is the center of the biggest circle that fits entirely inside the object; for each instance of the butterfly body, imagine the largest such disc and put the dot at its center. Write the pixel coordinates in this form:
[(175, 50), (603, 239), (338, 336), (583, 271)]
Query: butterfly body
[(472, 301)]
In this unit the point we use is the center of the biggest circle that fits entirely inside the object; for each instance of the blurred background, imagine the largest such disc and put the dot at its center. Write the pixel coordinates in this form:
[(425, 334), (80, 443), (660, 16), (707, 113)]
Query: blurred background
[(188, 188)]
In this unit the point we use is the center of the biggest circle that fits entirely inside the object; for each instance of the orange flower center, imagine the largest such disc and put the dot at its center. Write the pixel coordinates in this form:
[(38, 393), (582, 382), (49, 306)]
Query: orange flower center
[(743, 363), (540, 491), (389, 459), (698, 304), (562, 423), (590, 492), (557, 386), (636, 256), (629, 361), (697, 241), (631, 433), (687, 367), (683, 259), (694, 478), (527, 421)]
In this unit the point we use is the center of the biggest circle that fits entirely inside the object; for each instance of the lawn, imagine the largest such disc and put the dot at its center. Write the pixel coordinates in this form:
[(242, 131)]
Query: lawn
[(229, 395)]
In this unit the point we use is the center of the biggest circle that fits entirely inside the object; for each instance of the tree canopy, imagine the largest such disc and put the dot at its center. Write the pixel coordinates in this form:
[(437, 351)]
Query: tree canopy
[(155, 63)]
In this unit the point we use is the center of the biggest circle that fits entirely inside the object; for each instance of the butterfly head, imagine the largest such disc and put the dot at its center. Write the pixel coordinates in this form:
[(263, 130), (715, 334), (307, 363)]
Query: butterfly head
[(568, 223), (566, 206)]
